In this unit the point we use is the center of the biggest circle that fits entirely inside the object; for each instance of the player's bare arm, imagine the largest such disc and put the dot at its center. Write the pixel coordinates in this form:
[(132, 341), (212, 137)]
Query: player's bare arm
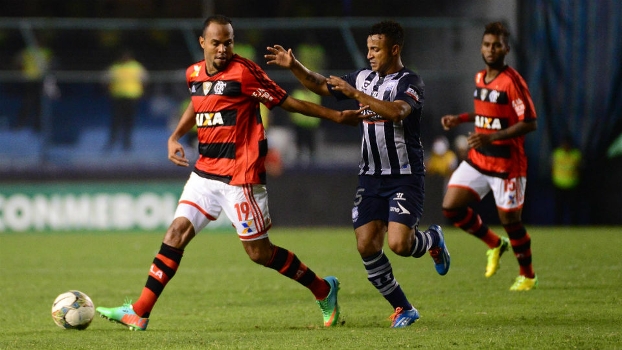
[(389, 110), (313, 81), (176, 152), (476, 140), (347, 117)]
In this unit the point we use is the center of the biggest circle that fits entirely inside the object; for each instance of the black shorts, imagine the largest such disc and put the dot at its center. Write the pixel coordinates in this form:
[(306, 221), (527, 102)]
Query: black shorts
[(389, 198)]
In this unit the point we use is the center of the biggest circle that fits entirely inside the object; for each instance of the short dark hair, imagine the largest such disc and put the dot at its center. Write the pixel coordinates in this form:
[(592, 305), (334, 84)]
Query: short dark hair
[(220, 19), (392, 30), (497, 28)]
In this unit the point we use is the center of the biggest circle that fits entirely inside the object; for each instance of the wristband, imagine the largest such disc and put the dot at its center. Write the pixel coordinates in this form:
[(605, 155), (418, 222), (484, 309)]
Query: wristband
[(464, 117)]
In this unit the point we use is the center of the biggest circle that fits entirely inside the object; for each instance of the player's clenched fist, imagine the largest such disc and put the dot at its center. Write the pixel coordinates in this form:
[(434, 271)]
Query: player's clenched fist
[(449, 121)]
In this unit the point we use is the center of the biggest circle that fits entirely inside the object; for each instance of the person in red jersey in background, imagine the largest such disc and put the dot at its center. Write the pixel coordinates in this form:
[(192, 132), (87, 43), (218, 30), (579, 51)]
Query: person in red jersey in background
[(230, 174), (504, 113)]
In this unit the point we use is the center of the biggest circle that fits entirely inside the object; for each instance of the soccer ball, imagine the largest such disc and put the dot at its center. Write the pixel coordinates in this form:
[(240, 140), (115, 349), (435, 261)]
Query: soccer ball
[(73, 310)]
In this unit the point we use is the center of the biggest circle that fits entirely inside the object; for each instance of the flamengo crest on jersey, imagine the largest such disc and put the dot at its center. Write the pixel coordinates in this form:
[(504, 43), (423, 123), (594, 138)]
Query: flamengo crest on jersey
[(499, 104), (390, 148), (232, 139)]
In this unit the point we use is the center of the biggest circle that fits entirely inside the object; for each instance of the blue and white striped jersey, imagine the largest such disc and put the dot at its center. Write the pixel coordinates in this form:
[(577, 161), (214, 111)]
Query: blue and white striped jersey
[(389, 148)]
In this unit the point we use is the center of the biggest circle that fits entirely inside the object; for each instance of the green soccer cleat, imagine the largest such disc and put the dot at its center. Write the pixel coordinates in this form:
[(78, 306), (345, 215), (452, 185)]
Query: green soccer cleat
[(329, 305), (124, 315), (494, 255), (523, 283)]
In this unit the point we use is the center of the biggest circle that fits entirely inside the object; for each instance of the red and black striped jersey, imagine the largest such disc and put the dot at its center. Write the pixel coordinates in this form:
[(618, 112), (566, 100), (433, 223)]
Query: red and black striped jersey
[(499, 104), (232, 139)]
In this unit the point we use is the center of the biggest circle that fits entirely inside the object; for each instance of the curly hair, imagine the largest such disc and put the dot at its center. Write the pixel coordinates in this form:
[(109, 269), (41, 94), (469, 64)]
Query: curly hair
[(392, 30), (497, 28)]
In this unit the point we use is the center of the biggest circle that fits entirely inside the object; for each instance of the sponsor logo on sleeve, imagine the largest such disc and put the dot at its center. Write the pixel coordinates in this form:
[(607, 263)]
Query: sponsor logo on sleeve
[(412, 93), (263, 95), (519, 106)]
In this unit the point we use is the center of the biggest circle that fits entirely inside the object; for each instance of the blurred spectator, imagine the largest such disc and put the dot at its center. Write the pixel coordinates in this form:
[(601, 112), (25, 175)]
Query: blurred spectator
[(245, 50), (274, 162), (125, 78), (34, 62), (461, 146), (245, 43), (443, 161), (313, 53), (305, 128), (566, 165)]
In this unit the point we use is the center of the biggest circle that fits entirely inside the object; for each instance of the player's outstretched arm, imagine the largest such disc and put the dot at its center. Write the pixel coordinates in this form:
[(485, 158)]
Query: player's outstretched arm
[(449, 121), (347, 117), (316, 82), (390, 110)]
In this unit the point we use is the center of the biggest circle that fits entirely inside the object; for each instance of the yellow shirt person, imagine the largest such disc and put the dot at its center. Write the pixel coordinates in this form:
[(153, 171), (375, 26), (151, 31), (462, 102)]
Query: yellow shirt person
[(125, 78), (566, 176)]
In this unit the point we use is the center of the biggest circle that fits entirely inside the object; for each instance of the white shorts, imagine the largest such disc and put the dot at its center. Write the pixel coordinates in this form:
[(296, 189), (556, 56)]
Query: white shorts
[(246, 206), (509, 193)]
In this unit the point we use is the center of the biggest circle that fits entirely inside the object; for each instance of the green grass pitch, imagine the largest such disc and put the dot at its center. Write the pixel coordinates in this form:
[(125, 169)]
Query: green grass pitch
[(219, 299)]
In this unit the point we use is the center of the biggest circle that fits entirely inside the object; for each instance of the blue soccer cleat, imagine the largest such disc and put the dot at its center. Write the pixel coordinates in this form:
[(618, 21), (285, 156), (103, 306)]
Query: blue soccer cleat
[(439, 253), (402, 318)]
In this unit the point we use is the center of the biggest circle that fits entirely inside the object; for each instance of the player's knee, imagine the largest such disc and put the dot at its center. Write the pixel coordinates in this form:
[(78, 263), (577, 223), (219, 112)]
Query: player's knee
[(448, 213), (400, 247), (259, 253), (369, 243), (455, 214), (258, 258), (179, 233)]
